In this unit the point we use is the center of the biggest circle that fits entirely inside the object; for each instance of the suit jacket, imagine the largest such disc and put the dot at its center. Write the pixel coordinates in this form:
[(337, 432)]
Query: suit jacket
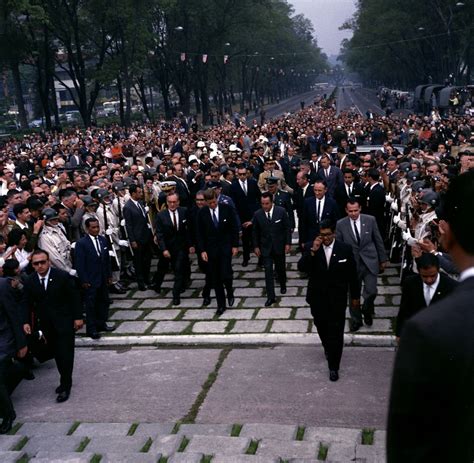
[(413, 298), (309, 228), (59, 304), (299, 199), (335, 179), (246, 204), (341, 196), (170, 239), (12, 337), (271, 236), (371, 250), (375, 205), (328, 286), (431, 412), (136, 223), (182, 189), (91, 268)]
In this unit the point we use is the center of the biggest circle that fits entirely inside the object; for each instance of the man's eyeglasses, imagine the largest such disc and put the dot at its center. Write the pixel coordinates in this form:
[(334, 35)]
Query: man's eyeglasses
[(39, 262)]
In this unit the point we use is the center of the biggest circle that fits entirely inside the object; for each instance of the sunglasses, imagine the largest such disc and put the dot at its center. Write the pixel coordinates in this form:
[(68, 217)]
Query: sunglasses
[(39, 262)]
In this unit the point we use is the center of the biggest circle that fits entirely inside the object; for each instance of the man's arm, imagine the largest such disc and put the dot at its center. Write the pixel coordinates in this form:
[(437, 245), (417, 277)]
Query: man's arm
[(378, 241), (13, 314), (128, 216)]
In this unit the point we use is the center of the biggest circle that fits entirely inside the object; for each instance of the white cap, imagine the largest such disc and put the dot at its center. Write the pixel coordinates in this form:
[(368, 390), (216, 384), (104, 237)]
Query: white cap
[(200, 144)]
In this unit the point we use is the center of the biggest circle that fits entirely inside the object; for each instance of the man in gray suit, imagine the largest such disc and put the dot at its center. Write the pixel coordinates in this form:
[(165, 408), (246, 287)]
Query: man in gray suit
[(272, 240), (361, 232)]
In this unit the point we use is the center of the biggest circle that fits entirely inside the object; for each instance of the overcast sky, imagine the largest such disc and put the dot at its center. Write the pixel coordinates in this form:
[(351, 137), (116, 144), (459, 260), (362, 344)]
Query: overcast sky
[(327, 16)]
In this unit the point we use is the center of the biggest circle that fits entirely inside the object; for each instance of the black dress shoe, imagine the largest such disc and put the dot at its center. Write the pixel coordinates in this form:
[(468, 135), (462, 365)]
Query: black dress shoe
[(354, 326), (220, 311), (141, 287), (283, 289), (63, 396), (115, 289), (326, 354), (28, 375), (333, 375), (94, 335), (245, 263), (206, 301), (59, 389), (230, 300), (157, 289), (176, 301), (7, 424), (108, 329), (368, 319), (270, 301)]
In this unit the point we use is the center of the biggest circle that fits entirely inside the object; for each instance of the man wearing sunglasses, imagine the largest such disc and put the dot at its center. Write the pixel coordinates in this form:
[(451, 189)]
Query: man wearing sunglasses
[(52, 296)]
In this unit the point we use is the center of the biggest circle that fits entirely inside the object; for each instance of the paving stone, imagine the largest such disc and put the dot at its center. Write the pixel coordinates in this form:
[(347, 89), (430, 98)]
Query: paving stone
[(248, 292), (210, 445), (8, 442), (254, 302), (379, 325), (380, 300), (340, 452), (149, 294), (253, 275), (166, 445), (396, 300), (250, 326), (298, 301), (155, 303), (290, 291), (370, 454), (237, 314), (330, 435), (116, 444), (393, 280), (240, 283), (244, 459), (10, 457), (289, 326), (197, 302), (133, 327), (210, 327), (102, 429), (386, 312), (392, 271), (389, 290), (126, 315), (269, 431), (287, 449), (169, 327), (304, 313), (153, 429), (122, 296), (44, 429), (163, 314), (123, 304), (205, 429), (273, 313), (111, 457), (380, 438), (186, 458), (203, 314), (46, 456), (58, 443)]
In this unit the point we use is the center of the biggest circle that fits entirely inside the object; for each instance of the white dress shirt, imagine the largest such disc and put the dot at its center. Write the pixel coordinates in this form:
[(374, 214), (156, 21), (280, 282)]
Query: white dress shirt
[(175, 218), (328, 252), (46, 279), (321, 206), (468, 273)]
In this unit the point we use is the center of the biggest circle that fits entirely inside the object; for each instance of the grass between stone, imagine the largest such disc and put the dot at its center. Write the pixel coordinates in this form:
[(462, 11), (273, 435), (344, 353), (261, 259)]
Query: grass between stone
[(322, 452), (368, 436), (96, 458), (230, 326), (184, 443), (163, 460), (147, 445), (132, 429), (190, 417), (24, 459), (206, 459), (252, 448), (74, 426), (236, 428), (83, 444), (300, 433), (20, 444), (15, 429)]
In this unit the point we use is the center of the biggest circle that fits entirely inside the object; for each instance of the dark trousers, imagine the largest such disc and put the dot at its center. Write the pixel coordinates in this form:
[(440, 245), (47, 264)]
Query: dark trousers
[(62, 345), (96, 304), (6, 405), (179, 263), (246, 242), (280, 267), (142, 260), (330, 325), (206, 291), (219, 285)]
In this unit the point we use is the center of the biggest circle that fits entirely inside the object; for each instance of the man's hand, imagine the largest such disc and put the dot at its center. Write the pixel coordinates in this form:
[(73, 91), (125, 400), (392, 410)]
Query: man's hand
[(204, 256), (22, 352), (427, 246), (287, 249), (26, 328), (355, 303), (166, 254), (416, 251), (316, 244), (134, 245), (257, 252), (78, 324), (109, 281), (398, 340), (382, 266), (37, 226), (79, 203), (235, 251), (247, 224)]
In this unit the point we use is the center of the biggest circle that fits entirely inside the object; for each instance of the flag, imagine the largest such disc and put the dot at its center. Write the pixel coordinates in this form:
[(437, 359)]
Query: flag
[(204, 58), (183, 56), (226, 58)]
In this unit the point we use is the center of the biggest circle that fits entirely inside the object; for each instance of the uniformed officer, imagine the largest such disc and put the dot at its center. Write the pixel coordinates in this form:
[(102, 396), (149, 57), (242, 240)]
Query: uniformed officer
[(167, 187), (282, 199)]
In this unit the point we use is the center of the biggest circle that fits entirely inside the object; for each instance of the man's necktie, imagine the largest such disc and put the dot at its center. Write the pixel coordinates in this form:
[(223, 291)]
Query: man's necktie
[(349, 190), (356, 232), (175, 222), (427, 294), (97, 246), (244, 187), (318, 210), (43, 283), (269, 217), (214, 219)]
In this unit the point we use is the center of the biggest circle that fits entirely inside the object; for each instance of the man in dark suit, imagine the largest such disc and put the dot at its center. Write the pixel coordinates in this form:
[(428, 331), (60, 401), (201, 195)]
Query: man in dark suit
[(12, 343), (302, 192), (332, 175), (172, 238), (272, 240), (431, 413), (52, 295), (332, 273), (92, 262), (218, 241), (293, 166), (182, 187), (423, 289), (246, 196), (316, 210), (375, 204), (139, 235), (350, 189)]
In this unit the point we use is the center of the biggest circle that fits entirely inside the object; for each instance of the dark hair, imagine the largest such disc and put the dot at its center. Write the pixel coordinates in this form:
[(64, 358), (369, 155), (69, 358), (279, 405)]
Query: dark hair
[(458, 209), (11, 193), (374, 174), (133, 188), (66, 193), (427, 260), (19, 208), (38, 252), (9, 267), (327, 223), (321, 181), (15, 235), (89, 221), (348, 171), (353, 201), (266, 194)]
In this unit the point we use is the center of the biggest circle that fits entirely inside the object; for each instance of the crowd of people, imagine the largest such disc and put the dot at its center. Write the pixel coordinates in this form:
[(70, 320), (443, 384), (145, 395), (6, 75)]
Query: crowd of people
[(82, 213)]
